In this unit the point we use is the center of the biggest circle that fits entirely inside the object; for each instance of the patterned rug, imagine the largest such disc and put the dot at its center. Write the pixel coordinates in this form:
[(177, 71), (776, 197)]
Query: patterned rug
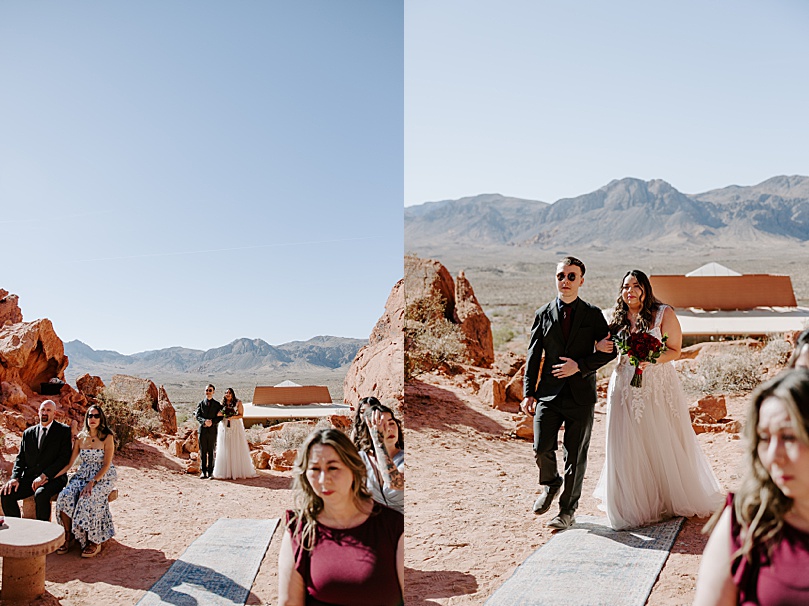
[(591, 565), (218, 568)]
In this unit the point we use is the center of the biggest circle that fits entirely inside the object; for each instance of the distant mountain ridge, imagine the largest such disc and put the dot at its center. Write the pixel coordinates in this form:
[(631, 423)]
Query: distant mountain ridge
[(644, 213), (239, 356)]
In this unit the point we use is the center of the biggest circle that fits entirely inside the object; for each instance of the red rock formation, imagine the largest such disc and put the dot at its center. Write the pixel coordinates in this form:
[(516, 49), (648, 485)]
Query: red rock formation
[(476, 327), (134, 390), (429, 281), (711, 408), (168, 416), (378, 368), (10, 312), (429, 287), (31, 354), (90, 385)]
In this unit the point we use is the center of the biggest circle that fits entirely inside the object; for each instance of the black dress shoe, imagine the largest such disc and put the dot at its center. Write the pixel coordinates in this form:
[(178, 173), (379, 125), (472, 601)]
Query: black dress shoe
[(203, 475), (543, 502), (562, 522)]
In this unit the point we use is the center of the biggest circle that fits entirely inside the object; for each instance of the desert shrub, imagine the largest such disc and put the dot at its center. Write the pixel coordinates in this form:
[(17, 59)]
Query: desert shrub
[(430, 339), (776, 352), (120, 417), (128, 422), (732, 371), (254, 434), (292, 435)]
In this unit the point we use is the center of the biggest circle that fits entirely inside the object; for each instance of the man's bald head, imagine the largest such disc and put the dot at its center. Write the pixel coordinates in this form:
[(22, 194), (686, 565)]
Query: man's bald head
[(47, 412)]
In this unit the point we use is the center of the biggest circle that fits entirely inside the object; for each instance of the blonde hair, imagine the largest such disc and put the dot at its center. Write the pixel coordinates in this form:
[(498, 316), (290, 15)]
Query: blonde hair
[(307, 504)]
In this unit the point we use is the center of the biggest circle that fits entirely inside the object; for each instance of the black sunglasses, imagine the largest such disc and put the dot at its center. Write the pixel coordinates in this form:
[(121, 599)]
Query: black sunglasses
[(209, 391), (94, 415), (571, 276)]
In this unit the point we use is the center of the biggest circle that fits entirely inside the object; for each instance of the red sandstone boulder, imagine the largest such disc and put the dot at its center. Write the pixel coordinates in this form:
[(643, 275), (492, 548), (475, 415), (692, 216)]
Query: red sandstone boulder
[(429, 284), (475, 326), (261, 459), (168, 416), (10, 312), (515, 386), (31, 354), (493, 393), (12, 395), (90, 385), (140, 392), (378, 368), (710, 408), (509, 364), (524, 427)]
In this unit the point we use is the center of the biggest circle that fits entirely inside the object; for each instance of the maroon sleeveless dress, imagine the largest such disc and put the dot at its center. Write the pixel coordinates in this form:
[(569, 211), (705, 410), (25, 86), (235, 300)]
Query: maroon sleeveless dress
[(778, 579), (352, 567)]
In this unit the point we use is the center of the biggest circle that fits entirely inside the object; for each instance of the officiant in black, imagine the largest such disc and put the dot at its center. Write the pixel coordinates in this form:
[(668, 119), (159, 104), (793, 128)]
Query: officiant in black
[(208, 414), (44, 450)]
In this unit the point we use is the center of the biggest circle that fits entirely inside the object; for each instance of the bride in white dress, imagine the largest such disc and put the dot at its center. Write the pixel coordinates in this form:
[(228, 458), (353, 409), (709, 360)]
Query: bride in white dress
[(232, 454), (653, 467)]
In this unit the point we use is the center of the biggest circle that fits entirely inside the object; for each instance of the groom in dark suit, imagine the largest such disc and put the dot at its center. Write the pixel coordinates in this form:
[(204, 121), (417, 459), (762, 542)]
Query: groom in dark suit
[(44, 451), (208, 415), (562, 388)]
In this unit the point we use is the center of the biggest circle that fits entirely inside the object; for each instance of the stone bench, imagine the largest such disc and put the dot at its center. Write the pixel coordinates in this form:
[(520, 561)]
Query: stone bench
[(23, 547), (29, 506)]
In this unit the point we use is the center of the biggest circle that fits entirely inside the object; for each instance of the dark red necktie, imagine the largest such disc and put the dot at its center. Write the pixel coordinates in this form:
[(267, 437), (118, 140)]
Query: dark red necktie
[(567, 319)]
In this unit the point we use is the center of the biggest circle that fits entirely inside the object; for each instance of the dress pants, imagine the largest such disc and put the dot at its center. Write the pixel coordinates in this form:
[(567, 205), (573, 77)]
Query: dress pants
[(207, 443), (578, 421), (42, 498)]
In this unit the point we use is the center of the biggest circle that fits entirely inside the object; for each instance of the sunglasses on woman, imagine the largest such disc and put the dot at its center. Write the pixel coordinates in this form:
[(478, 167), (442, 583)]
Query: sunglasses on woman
[(94, 415), (571, 277)]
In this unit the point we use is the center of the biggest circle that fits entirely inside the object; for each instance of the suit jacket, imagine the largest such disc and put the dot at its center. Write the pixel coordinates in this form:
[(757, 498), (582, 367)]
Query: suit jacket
[(207, 410), (55, 453), (588, 326)]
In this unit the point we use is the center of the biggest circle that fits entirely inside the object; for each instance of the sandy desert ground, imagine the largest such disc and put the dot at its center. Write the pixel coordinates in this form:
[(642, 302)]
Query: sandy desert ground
[(470, 490)]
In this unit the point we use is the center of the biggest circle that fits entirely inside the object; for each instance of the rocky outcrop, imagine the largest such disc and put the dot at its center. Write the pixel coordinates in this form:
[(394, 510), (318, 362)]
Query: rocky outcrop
[(378, 368), (31, 354), (431, 293), (142, 393), (89, 385), (168, 416), (428, 284), (10, 312), (475, 326)]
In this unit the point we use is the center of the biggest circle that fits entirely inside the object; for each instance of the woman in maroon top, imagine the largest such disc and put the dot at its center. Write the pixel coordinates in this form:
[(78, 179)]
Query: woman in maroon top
[(340, 548), (758, 552)]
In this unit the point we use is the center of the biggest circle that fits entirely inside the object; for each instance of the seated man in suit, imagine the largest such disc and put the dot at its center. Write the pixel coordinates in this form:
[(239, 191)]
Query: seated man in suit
[(44, 450)]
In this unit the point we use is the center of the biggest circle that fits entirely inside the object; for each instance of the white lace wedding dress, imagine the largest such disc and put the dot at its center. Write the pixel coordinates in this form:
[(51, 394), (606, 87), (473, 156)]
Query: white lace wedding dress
[(653, 466), (232, 459)]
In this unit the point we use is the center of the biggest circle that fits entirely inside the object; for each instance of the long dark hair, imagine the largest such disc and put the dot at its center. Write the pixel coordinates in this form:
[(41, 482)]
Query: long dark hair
[(103, 428), (233, 399), (648, 309), (359, 431)]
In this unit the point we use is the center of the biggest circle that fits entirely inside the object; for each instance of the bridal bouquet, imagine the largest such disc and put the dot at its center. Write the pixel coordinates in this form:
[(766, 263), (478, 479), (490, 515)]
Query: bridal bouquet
[(229, 411), (640, 347)]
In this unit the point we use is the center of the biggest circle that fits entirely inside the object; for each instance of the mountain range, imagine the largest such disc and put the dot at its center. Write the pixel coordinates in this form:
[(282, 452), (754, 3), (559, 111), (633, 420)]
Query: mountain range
[(645, 213), (240, 356)]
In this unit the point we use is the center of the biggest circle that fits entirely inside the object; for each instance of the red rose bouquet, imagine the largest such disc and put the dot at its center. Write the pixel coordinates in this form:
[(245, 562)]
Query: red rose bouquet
[(640, 347), (229, 411)]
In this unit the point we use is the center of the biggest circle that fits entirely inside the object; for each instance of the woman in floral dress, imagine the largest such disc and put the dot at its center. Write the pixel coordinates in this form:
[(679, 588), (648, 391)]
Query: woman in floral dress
[(83, 506)]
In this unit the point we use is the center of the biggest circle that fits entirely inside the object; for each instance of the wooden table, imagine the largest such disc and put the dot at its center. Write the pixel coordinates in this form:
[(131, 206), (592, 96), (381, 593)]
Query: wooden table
[(23, 546)]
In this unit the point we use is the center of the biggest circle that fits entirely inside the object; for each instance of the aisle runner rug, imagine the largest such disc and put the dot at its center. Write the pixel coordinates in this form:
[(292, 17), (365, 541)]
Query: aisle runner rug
[(591, 565), (218, 569)]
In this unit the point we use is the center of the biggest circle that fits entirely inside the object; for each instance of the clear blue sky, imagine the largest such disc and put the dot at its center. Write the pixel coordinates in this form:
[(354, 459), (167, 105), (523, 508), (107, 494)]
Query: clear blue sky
[(188, 173), (546, 99)]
